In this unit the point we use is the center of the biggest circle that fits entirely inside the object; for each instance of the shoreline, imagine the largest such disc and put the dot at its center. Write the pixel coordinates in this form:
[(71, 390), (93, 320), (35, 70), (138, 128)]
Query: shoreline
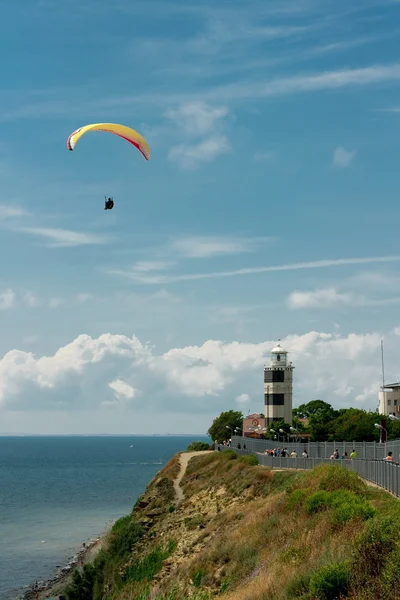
[(55, 585)]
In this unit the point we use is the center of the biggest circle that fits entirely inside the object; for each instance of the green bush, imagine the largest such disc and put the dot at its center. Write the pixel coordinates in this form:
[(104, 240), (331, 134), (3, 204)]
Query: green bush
[(250, 459), (346, 505), (124, 535), (198, 447), (318, 501), (150, 565), (334, 477), (297, 498), (373, 548), (331, 581)]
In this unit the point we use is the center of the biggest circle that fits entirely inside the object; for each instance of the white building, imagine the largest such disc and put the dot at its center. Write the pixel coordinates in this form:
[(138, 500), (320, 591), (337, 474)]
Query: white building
[(278, 387), (389, 400)]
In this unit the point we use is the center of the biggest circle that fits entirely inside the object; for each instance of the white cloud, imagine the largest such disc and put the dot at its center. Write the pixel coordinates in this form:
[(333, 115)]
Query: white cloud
[(10, 212), (61, 238), (122, 389), (90, 372), (243, 399), (330, 297), (190, 156), (31, 300), (317, 264), (7, 299), (55, 302), (197, 118), (207, 246), (343, 158), (146, 266), (325, 298)]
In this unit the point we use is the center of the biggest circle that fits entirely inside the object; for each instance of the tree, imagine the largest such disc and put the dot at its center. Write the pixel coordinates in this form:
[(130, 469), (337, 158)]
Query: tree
[(314, 407), (198, 447), (355, 424), (223, 426)]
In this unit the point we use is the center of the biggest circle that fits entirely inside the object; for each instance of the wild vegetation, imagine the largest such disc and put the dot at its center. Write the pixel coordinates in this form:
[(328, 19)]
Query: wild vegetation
[(319, 420), (244, 532)]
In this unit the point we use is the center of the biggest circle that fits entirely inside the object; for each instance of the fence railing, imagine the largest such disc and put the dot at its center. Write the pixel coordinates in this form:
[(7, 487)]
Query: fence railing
[(383, 473), (364, 450)]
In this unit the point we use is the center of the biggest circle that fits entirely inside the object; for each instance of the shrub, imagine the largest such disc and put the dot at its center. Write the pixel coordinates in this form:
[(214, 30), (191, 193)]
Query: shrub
[(250, 459), (318, 501), (346, 506), (335, 477), (297, 498), (124, 534), (229, 454), (148, 567), (331, 581), (373, 548), (298, 587), (198, 447)]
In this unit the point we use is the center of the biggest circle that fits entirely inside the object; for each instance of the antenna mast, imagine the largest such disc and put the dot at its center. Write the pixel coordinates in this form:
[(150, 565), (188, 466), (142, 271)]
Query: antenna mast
[(383, 368)]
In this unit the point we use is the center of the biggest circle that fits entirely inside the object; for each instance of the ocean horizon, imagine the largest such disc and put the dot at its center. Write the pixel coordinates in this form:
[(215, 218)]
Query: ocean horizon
[(62, 490)]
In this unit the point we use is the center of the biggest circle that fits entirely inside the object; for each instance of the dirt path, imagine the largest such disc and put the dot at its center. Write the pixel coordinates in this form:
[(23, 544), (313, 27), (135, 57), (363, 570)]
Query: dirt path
[(184, 458)]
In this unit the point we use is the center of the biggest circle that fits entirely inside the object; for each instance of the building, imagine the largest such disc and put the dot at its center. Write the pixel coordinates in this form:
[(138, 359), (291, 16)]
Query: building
[(389, 400), (278, 387), (253, 425)]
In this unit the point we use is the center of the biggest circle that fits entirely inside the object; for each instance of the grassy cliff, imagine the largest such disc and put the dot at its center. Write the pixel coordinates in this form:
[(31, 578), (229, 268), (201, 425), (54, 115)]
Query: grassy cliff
[(244, 532)]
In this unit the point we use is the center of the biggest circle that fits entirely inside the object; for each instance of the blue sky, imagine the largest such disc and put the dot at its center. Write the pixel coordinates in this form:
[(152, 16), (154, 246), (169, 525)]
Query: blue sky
[(269, 208)]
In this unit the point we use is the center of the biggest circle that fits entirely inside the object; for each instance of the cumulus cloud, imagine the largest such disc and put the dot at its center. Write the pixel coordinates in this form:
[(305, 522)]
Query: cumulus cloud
[(122, 389), (109, 370), (7, 299), (343, 158), (198, 118), (190, 156), (207, 125), (331, 297), (325, 298), (243, 399)]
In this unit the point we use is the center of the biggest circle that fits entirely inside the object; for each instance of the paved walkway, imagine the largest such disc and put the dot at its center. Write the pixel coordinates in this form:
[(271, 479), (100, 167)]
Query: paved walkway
[(184, 459)]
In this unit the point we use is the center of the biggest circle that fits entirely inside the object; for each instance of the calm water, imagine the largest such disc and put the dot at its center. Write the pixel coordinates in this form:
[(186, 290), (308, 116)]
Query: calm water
[(56, 492)]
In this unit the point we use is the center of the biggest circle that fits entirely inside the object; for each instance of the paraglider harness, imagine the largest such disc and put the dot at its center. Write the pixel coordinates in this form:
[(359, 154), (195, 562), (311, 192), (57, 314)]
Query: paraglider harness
[(108, 203)]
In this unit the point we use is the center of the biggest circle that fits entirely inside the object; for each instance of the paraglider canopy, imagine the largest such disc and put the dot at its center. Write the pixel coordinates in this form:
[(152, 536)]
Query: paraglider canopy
[(128, 134)]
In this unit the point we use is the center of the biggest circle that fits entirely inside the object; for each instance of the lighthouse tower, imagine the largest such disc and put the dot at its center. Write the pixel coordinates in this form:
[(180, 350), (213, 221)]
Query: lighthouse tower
[(278, 387)]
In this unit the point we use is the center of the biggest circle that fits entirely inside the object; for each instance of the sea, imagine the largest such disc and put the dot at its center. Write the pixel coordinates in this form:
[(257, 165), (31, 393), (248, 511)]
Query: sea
[(58, 492)]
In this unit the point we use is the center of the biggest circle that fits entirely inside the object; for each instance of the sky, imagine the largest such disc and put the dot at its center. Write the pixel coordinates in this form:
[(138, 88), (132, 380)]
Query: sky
[(269, 209)]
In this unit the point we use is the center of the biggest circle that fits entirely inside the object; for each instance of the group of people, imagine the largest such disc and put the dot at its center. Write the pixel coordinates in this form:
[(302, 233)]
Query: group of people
[(284, 452)]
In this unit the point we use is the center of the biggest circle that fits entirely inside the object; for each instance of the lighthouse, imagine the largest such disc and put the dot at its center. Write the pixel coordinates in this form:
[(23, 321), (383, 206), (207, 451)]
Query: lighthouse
[(278, 387)]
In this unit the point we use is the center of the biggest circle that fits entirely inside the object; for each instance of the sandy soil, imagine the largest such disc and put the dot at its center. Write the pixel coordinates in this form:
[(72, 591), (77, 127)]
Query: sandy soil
[(184, 459)]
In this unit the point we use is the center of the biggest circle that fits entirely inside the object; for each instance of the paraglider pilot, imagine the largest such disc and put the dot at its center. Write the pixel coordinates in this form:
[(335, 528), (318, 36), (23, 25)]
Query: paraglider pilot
[(109, 203)]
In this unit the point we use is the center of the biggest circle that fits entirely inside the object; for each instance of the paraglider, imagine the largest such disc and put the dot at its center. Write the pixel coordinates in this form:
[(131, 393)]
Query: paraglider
[(108, 205), (126, 133)]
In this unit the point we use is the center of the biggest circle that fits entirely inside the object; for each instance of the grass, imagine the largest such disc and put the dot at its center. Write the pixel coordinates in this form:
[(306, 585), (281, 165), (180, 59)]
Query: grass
[(247, 533)]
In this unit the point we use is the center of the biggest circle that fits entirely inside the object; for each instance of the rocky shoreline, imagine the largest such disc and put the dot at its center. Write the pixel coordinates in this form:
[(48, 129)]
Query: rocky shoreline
[(56, 585)]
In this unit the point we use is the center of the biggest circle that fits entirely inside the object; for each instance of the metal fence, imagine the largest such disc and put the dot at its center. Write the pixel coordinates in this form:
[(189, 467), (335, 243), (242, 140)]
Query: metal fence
[(364, 450), (380, 472)]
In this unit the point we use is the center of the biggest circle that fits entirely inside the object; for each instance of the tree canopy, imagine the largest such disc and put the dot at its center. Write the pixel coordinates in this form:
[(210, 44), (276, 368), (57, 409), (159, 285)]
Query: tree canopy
[(223, 426)]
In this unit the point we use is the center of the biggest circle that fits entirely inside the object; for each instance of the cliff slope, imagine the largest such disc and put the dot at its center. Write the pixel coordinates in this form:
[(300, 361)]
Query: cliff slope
[(226, 527)]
